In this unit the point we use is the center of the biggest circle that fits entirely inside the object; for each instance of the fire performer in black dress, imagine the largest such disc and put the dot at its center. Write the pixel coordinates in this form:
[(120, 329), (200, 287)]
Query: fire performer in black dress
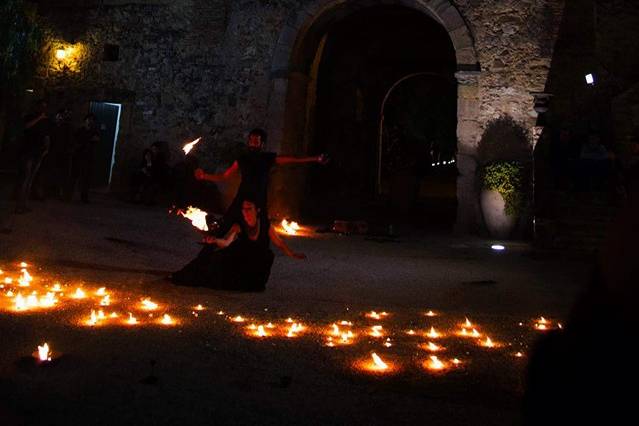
[(254, 166), (241, 260)]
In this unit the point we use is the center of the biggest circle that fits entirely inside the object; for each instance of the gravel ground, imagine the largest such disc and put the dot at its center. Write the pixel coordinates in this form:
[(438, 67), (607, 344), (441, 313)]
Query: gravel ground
[(207, 370)]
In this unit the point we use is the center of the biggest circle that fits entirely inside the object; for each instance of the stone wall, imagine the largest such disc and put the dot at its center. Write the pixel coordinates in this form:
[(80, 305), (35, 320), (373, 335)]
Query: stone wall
[(208, 67)]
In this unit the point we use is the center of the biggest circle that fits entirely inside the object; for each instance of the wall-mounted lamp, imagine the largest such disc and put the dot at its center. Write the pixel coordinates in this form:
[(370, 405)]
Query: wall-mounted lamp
[(590, 79), (60, 54)]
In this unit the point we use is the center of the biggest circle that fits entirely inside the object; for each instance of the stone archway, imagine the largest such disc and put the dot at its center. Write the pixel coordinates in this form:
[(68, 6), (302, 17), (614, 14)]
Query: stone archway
[(290, 75)]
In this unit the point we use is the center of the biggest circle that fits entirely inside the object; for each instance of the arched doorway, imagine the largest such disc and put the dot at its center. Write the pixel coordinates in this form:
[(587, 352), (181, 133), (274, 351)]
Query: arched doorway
[(333, 65)]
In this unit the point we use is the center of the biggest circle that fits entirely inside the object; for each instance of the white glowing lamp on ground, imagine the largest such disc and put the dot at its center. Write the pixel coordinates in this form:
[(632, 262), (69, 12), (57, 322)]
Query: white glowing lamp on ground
[(189, 146), (261, 332), (44, 353), (197, 218), (199, 308), (238, 318), (431, 314)]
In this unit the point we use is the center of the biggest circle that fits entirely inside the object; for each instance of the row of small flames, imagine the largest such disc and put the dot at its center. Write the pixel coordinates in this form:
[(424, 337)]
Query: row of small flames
[(339, 333)]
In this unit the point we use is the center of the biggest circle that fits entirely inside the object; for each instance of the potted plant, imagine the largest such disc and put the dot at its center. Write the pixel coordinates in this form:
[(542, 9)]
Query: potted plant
[(501, 196)]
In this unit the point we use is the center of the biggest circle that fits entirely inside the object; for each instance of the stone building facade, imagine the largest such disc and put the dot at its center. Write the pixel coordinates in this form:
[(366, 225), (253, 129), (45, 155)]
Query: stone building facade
[(215, 68)]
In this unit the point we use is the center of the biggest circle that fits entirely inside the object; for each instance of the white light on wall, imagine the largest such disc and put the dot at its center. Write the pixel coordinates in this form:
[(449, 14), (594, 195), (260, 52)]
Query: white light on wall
[(590, 79)]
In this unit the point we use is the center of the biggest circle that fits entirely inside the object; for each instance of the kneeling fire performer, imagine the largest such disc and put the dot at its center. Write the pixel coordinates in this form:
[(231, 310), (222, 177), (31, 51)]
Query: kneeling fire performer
[(241, 260)]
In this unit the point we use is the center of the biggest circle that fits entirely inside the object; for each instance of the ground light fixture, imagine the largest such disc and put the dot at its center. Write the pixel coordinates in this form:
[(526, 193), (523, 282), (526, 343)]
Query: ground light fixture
[(498, 247)]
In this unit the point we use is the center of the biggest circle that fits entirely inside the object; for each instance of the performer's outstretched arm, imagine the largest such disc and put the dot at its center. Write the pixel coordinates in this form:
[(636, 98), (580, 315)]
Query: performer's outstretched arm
[(227, 240), (202, 175), (280, 244), (320, 159)]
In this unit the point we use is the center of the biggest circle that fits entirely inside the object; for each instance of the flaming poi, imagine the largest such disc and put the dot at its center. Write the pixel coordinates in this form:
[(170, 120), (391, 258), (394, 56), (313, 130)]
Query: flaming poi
[(197, 218), (189, 146)]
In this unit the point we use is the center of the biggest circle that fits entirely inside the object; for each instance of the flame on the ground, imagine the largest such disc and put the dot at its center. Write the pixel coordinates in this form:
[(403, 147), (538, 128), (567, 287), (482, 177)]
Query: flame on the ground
[(261, 332), (431, 314), (132, 320), (488, 343), (105, 301), (295, 329), (44, 354), (379, 362), (411, 332), (189, 146), (148, 305), (432, 347), (238, 318), (433, 334), (199, 308), (79, 294), (25, 279), (101, 291), (388, 343), (435, 364), (376, 331), (197, 218), (167, 320)]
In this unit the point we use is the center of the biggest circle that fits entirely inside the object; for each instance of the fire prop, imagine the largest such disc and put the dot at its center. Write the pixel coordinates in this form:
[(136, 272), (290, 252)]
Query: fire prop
[(197, 218), (291, 228), (433, 334), (189, 146)]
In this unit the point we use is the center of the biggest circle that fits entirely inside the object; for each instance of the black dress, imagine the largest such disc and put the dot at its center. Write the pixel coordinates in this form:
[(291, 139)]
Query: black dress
[(245, 265)]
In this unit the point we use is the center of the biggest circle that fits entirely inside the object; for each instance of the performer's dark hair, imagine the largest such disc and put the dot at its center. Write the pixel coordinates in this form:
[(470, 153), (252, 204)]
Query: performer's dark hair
[(259, 132)]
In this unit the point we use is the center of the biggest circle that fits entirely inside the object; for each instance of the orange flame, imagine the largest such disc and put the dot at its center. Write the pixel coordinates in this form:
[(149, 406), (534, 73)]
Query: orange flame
[(44, 354), (197, 218), (379, 363), (189, 146), (290, 228)]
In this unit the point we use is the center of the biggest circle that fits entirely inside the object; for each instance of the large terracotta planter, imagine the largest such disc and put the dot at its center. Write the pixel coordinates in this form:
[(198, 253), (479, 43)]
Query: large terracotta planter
[(499, 224)]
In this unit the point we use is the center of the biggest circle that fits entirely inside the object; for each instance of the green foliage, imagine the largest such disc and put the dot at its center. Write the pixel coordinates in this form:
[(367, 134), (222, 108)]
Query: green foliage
[(505, 177), (20, 41)]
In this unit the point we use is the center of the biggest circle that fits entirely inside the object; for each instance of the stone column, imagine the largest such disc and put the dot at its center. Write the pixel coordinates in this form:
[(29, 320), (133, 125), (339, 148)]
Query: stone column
[(288, 182), (468, 134)]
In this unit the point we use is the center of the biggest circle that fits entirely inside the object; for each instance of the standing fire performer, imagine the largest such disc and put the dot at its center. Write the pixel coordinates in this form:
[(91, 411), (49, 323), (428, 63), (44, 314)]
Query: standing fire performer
[(241, 260), (254, 166)]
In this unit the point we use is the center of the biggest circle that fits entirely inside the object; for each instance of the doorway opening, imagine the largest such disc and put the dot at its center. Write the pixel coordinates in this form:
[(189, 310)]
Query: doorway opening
[(108, 119)]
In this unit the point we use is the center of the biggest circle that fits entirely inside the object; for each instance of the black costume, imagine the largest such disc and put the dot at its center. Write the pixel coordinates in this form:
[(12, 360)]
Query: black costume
[(255, 167), (32, 151), (82, 161), (245, 265)]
